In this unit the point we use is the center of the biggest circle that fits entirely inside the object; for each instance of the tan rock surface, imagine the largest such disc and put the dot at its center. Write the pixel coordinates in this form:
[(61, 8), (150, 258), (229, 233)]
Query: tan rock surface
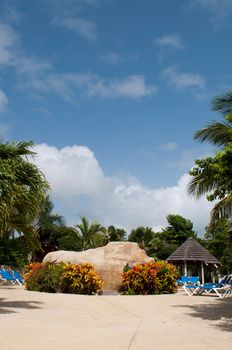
[(109, 260)]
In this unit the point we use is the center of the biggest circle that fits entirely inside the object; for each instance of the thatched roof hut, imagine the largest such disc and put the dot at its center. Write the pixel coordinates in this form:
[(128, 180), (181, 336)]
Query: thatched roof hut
[(191, 253)]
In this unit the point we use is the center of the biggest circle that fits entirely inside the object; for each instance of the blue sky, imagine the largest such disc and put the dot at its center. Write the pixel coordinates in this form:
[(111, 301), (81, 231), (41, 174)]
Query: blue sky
[(112, 93)]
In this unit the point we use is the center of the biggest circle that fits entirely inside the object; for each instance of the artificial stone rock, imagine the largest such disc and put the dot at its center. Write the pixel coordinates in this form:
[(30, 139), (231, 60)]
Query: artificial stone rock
[(108, 261)]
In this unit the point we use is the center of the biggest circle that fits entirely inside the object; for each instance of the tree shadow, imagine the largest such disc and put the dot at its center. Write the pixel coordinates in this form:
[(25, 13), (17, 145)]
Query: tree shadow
[(7, 307), (220, 311)]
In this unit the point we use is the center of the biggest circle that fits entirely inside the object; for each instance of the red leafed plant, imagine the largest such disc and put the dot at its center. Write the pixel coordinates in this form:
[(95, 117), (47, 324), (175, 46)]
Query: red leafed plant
[(149, 278)]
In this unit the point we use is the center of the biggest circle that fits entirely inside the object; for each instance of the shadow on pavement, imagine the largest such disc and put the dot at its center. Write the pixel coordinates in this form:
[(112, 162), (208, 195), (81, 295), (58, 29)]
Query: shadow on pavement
[(220, 311), (8, 307)]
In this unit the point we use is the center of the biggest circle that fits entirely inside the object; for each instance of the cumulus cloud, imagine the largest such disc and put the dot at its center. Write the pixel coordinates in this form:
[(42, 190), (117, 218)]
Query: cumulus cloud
[(172, 41), (182, 80), (80, 187)]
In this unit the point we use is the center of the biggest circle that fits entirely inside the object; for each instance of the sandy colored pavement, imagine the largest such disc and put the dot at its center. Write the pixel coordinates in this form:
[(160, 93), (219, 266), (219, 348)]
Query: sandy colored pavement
[(36, 321)]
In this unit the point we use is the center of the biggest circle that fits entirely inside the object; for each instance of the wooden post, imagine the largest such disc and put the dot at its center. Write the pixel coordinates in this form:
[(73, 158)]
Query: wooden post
[(202, 273), (185, 269), (214, 275)]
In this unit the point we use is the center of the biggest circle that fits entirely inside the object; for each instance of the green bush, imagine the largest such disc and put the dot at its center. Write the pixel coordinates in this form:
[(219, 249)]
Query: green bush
[(14, 253), (63, 278), (149, 278), (44, 277)]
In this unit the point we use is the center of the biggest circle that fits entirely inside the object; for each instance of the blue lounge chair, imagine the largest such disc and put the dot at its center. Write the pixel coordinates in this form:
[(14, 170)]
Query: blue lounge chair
[(194, 280), (185, 280), (13, 277), (18, 277), (6, 276), (221, 289)]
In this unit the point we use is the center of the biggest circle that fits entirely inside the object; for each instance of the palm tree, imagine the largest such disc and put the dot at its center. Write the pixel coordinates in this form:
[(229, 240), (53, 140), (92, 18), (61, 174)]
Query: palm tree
[(50, 228), (46, 221), (211, 179), (143, 236), (22, 189), (219, 134), (91, 235), (115, 234)]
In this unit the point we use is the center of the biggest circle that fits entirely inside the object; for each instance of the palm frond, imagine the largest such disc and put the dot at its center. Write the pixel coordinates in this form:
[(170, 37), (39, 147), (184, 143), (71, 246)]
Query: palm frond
[(16, 149), (223, 103), (218, 134), (223, 209), (198, 187)]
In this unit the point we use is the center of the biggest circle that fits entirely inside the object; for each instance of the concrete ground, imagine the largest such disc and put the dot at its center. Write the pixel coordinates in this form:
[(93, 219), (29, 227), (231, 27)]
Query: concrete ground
[(36, 321)]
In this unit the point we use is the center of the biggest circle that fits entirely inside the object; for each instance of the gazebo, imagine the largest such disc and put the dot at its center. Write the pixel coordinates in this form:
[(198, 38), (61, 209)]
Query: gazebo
[(192, 259)]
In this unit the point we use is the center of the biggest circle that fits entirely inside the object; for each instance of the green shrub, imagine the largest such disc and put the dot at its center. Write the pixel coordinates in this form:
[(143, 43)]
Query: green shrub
[(62, 278), (14, 253), (167, 276), (149, 278), (44, 277)]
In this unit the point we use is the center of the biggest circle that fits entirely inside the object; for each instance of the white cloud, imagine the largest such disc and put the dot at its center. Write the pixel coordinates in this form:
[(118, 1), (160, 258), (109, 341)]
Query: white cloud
[(8, 40), (172, 41), (81, 26), (73, 87), (111, 58), (12, 55), (133, 86), (80, 187), (36, 74), (169, 146), (181, 80), (3, 101), (71, 15), (30, 66), (219, 10)]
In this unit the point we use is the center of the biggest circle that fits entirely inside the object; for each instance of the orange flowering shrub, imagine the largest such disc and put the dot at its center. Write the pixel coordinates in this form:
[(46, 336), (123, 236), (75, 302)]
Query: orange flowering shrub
[(31, 269), (62, 278), (149, 278), (81, 279)]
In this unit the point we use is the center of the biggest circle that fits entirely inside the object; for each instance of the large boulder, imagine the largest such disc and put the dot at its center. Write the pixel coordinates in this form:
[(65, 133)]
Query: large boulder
[(109, 260)]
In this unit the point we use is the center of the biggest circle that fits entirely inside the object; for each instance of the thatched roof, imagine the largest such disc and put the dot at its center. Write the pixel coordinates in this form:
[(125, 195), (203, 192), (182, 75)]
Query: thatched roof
[(191, 250)]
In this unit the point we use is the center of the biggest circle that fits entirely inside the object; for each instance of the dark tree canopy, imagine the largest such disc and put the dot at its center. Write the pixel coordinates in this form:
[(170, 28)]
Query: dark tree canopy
[(22, 189)]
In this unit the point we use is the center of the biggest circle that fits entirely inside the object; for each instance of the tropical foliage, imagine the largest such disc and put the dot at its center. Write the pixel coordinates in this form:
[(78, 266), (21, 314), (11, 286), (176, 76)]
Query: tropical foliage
[(115, 234), (81, 279), (218, 241), (14, 253), (49, 227), (143, 236), (22, 189), (213, 175), (90, 235), (63, 278), (149, 278)]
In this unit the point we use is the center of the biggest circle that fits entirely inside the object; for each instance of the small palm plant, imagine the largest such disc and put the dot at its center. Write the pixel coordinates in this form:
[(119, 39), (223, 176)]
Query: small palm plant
[(90, 235)]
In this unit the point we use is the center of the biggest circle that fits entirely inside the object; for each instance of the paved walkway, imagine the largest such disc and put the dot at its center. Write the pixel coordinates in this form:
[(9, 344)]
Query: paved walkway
[(38, 321)]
